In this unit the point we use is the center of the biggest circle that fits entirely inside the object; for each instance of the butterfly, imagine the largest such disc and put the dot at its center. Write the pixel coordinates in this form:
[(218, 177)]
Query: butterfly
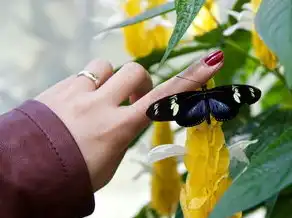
[(193, 107)]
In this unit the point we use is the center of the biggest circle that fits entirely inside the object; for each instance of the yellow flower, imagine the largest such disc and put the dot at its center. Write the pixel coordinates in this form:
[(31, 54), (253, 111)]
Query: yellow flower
[(141, 39), (207, 159), (205, 21), (246, 21), (166, 182), (267, 57), (207, 162)]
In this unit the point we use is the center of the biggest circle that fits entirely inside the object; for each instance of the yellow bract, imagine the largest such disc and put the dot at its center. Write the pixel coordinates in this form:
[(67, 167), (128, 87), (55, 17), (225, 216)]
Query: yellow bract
[(207, 162), (267, 57), (165, 182), (205, 21), (140, 40)]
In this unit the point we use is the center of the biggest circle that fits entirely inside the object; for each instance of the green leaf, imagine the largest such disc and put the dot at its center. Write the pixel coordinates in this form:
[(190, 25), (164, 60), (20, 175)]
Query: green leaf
[(147, 212), (268, 174), (156, 55), (242, 118), (179, 213), (213, 37), (270, 204), (235, 50), (282, 208), (186, 11), (279, 94), (269, 129), (148, 14), (273, 23), (264, 127)]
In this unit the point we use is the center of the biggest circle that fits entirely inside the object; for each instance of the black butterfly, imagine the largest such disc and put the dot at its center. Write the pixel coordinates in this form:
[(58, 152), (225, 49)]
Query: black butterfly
[(192, 108)]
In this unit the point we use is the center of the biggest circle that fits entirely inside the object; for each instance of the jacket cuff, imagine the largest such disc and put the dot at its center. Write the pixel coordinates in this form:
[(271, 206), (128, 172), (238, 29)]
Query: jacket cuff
[(66, 183)]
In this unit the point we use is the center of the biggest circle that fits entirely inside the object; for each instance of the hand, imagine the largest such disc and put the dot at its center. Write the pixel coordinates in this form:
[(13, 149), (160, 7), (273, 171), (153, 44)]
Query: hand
[(101, 128)]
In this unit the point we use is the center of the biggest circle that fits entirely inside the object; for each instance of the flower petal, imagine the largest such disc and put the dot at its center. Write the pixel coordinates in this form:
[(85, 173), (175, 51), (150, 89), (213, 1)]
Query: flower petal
[(247, 6), (234, 14), (246, 25), (237, 150), (165, 151), (230, 30), (159, 21), (145, 168)]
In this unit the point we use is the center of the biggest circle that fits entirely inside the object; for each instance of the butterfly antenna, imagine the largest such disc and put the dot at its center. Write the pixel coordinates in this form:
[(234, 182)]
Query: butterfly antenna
[(189, 80)]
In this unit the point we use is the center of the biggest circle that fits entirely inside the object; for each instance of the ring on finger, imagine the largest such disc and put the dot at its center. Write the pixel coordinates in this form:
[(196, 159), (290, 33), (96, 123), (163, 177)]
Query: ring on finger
[(90, 76)]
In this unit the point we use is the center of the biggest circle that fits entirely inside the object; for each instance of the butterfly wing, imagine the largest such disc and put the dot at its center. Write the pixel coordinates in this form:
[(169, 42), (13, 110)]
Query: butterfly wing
[(225, 101), (192, 112), (185, 108)]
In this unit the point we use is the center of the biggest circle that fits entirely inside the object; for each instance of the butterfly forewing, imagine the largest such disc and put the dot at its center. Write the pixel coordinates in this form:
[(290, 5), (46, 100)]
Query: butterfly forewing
[(225, 101), (170, 107)]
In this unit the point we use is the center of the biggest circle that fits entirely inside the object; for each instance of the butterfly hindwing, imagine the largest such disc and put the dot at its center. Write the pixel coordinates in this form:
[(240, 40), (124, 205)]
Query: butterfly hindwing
[(225, 101), (193, 112)]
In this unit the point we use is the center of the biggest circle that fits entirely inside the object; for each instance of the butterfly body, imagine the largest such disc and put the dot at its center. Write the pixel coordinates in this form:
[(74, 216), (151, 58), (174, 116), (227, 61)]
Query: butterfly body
[(193, 107)]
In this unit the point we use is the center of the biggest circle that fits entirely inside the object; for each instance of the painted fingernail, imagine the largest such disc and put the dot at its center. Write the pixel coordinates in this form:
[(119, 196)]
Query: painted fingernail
[(214, 58)]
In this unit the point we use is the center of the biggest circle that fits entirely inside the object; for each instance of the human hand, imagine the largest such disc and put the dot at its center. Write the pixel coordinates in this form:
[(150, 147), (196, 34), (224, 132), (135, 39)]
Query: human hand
[(101, 128)]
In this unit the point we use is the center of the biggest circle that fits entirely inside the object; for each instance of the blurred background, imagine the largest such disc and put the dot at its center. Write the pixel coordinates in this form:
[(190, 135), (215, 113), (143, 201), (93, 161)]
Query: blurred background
[(44, 41)]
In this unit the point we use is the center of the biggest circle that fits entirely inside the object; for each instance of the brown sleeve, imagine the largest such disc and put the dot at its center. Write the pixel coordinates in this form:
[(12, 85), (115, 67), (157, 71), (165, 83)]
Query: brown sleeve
[(42, 171)]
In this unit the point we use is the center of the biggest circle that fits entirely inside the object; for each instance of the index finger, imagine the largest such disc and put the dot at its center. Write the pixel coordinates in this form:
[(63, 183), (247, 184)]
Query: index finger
[(200, 73)]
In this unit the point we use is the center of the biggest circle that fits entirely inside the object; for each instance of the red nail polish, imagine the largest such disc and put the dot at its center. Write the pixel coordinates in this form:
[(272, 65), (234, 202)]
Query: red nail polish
[(214, 58)]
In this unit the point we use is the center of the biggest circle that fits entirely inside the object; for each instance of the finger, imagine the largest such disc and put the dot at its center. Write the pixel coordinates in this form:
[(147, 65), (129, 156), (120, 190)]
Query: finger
[(142, 90), (200, 72), (102, 69), (132, 78)]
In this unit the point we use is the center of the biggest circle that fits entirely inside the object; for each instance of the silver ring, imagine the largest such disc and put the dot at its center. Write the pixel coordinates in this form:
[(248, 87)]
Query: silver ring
[(90, 76)]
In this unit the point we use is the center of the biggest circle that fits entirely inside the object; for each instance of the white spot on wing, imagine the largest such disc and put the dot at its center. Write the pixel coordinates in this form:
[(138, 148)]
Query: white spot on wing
[(252, 92), (236, 94), (175, 110), (156, 108), (173, 105), (236, 98)]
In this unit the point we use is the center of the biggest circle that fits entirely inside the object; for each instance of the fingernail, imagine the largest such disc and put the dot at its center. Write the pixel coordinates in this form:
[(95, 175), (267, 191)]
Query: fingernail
[(214, 58)]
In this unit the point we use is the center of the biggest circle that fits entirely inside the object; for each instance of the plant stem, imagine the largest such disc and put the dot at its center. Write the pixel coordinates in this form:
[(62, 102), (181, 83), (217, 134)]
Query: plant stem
[(277, 73), (155, 56), (238, 48)]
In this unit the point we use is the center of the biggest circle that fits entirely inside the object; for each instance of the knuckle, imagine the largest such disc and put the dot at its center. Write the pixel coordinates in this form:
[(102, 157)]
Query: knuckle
[(138, 72), (102, 63), (137, 68)]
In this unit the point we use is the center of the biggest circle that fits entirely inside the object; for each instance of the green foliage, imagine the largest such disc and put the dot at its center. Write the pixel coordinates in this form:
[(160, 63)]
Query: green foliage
[(277, 95), (179, 213), (273, 22), (147, 212), (270, 204), (267, 174), (186, 11), (282, 208)]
